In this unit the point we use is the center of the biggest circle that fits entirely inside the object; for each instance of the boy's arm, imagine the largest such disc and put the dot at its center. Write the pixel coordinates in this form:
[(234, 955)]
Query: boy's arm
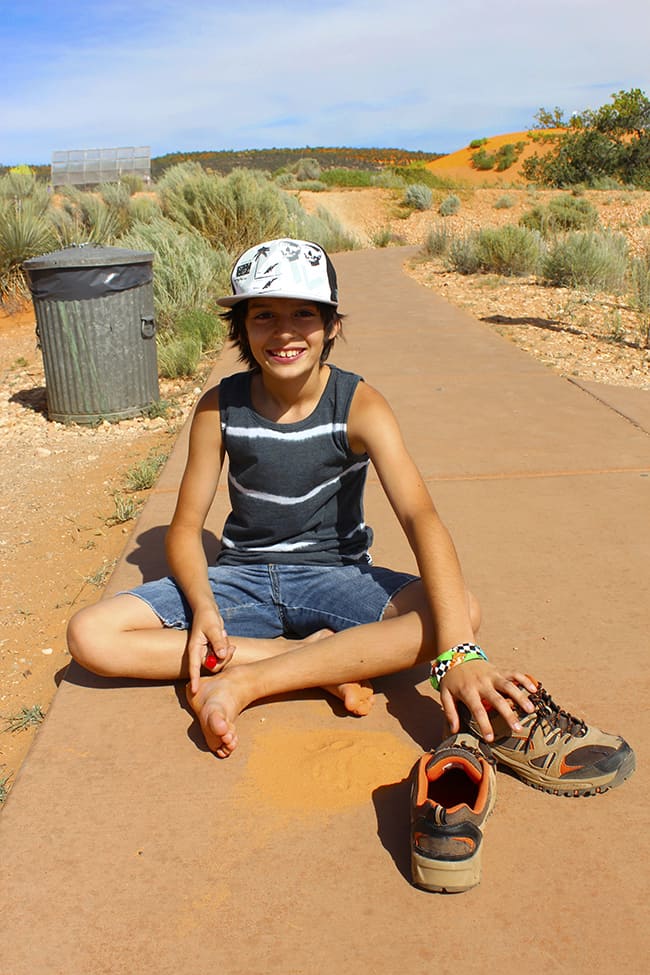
[(373, 428), (184, 545)]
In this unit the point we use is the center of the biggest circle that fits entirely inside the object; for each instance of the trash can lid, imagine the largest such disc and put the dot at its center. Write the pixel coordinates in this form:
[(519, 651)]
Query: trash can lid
[(88, 255)]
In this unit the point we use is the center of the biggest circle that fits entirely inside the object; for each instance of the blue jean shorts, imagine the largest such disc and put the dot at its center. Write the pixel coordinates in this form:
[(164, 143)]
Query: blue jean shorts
[(267, 601)]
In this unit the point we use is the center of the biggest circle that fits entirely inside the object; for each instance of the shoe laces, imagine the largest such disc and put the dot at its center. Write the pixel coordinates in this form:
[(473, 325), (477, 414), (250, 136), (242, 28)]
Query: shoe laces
[(546, 710), (480, 750)]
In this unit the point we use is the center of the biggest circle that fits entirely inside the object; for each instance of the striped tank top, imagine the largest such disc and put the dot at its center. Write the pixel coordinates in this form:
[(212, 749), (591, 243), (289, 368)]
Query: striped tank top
[(296, 489)]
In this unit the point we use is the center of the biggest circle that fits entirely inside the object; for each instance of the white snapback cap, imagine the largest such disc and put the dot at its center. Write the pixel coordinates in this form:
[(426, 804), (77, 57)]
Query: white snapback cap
[(283, 268)]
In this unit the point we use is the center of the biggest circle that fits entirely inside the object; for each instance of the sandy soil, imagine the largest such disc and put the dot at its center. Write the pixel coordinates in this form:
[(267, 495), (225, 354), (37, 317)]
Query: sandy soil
[(59, 540)]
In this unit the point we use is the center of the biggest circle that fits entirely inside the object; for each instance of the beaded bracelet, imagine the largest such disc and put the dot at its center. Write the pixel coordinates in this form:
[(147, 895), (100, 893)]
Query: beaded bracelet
[(460, 654)]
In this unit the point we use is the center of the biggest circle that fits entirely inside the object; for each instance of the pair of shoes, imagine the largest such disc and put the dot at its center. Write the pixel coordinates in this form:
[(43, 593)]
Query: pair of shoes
[(453, 791), (555, 751)]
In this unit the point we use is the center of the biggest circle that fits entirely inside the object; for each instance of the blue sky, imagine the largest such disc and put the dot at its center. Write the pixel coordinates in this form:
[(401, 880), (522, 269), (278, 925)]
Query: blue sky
[(247, 74)]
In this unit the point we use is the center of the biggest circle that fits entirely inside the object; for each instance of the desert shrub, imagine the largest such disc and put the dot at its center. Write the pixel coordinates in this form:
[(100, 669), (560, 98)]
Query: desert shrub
[(339, 176), (313, 185), (506, 156), (25, 231), (204, 324), (483, 160), (509, 250), (233, 211), (322, 227), (133, 182), (178, 355), (91, 220), (306, 169), (463, 256), (438, 241), (562, 213), (387, 180), (382, 238), (504, 202), (418, 197), (449, 206), (284, 179), (505, 250), (117, 198), (640, 294), (144, 209), (640, 282), (19, 186), (416, 173), (115, 194), (587, 259), (477, 143), (188, 273), (645, 219)]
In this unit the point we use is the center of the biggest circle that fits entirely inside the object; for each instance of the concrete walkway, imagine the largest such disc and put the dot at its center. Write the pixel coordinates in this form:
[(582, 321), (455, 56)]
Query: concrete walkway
[(128, 848)]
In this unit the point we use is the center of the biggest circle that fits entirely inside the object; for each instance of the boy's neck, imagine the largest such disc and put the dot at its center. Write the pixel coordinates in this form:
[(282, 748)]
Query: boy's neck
[(288, 401)]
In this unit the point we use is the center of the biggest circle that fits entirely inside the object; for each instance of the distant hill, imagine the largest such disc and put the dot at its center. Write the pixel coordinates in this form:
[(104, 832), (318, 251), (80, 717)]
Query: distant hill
[(461, 165), (223, 161)]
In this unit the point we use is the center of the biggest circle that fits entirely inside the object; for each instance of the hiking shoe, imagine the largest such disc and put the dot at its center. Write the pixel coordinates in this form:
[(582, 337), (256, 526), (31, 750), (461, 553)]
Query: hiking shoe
[(453, 791), (555, 751)]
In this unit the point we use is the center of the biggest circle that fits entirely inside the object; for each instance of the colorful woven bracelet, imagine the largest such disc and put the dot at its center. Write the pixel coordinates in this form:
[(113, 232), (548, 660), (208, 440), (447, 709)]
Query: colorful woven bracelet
[(461, 654)]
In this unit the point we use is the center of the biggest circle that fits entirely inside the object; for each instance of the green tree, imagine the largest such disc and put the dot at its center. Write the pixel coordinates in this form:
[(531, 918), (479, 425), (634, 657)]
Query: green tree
[(611, 141), (628, 114), (547, 118)]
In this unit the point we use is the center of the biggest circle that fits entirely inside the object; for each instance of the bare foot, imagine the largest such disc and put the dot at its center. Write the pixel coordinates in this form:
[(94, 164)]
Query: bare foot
[(216, 706), (357, 697)]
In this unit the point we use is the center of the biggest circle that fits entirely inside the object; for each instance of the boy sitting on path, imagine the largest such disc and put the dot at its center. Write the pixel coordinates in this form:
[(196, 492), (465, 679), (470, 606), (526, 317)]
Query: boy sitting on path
[(294, 601)]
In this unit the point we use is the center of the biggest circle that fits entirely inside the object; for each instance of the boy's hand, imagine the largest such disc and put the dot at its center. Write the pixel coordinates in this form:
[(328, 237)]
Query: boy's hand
[(477, 684), (208, 644)]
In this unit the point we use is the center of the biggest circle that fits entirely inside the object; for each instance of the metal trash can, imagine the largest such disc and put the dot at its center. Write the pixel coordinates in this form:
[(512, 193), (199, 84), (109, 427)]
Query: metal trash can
[(95, 322)]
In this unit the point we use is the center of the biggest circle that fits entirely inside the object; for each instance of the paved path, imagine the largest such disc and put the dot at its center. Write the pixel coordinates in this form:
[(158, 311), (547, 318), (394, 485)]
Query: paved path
[(127, 848)]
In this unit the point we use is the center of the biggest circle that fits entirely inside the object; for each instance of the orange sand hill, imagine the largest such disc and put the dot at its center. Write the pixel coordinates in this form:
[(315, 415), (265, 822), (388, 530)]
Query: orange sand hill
[(458, 165)]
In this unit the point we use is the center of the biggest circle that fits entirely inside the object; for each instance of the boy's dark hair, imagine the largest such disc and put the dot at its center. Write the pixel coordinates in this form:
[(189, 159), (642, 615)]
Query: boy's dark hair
[(236, 318)]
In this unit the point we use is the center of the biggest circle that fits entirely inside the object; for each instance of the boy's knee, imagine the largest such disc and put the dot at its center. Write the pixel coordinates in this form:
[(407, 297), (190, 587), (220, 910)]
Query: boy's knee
[(84, 641)]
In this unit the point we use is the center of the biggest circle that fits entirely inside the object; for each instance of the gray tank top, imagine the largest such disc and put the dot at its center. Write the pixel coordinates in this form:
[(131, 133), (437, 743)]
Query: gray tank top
[(296, 489)]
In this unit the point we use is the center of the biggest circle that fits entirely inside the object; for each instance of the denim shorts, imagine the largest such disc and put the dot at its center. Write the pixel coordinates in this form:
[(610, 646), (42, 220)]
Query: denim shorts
[(283, 600)]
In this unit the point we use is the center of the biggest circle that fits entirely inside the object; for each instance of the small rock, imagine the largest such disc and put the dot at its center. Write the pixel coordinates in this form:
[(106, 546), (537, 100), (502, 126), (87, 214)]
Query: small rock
[(47, 651), (43, 452)]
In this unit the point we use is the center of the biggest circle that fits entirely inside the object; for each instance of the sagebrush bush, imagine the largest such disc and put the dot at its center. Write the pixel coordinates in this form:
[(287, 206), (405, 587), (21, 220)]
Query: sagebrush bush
[(322, 227), (640, 283), (449, 206), (178, 355), (586, 259), (504, 202), (418, 197), (25, 231), (463, 256), (144, 209), (562, 213), (483, 160), (306, 169), (509, 250), (438, 241), (188, 272), (233, 212), (204, 324)]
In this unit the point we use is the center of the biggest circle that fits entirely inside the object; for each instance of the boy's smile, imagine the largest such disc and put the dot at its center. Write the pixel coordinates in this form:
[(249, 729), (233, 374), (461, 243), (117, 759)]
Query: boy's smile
[(283, 331)]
